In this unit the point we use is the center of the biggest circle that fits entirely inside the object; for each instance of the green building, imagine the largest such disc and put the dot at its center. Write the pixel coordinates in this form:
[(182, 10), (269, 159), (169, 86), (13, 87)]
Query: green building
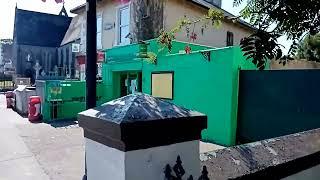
[(205, 80)]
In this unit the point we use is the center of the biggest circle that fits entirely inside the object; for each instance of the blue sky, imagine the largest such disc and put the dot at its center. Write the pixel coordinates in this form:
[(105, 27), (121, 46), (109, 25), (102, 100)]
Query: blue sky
[(7, 8)]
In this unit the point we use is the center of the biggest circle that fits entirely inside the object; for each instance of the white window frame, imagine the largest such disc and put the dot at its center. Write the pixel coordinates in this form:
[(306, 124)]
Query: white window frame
[(127, 5), (99, 31)]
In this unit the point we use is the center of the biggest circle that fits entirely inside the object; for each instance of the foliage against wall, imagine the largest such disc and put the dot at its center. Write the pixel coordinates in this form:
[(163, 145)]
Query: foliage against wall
[(275, 18), (309, 48)]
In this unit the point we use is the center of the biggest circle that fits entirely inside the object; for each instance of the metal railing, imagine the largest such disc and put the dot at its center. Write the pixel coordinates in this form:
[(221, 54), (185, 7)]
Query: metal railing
[(6, 83)]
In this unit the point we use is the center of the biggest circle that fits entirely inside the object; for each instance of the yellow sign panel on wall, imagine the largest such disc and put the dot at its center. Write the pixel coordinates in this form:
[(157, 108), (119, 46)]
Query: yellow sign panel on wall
[(162, 85)]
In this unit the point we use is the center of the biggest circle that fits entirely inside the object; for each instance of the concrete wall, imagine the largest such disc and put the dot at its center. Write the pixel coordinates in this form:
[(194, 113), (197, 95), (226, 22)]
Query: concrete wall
[(292, 157), (104, 163), (108, 11), (152, 161), (100, 158), (109, 15), (296, 64), (177, 9)]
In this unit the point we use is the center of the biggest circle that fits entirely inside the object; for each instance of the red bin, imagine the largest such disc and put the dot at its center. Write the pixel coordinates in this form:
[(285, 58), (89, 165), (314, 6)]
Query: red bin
[(34, 109), (9, 97)]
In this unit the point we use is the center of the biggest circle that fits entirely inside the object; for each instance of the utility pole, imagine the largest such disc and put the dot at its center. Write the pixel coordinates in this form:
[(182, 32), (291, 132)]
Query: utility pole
[(91, 59)]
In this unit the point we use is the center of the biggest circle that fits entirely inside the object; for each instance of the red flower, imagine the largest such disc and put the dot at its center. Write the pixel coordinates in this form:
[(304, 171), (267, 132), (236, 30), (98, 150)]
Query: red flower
[(187, 49), (193, 36)]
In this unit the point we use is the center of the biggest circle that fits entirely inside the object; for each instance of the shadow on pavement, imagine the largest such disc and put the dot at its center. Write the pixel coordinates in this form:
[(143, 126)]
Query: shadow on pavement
[(64, 123)]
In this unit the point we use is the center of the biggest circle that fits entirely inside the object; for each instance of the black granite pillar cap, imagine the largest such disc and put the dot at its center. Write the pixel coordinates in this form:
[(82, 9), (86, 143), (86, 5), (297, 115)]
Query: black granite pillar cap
[(140, 121)]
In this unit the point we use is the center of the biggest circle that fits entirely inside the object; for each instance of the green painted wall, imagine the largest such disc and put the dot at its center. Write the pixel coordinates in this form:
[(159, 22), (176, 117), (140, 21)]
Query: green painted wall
[(208, 87), (72, 98), (203, 86)]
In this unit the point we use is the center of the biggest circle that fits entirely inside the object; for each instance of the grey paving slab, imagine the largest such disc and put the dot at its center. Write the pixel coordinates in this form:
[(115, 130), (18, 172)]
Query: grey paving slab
[(63, 164), (12, 146), (16, 160), (39, 151), (26, 168), (59, 148)]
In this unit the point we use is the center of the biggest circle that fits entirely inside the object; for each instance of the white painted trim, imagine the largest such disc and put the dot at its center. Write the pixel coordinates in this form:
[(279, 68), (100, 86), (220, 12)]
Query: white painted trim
[(117, 28), (100, 15)]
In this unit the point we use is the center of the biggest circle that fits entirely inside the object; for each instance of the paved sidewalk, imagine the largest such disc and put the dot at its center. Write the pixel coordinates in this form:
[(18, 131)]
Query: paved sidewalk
[(58, 148), (39, 151), (16, 161)]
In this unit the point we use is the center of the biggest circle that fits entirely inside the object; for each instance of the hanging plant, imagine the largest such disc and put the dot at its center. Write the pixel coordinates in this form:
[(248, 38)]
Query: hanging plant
[(151, 57), (143, 53), (165, 40), (143, 49)]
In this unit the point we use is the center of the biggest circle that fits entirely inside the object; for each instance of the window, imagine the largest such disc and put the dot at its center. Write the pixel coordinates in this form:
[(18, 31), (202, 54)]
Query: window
[(162, 85), (229, 38), (99, 31), (123, 25)]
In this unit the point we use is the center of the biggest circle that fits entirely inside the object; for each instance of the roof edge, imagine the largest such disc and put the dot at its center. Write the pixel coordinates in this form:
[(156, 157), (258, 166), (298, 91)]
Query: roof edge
[(206, 5), (48, 14), (78, 8)]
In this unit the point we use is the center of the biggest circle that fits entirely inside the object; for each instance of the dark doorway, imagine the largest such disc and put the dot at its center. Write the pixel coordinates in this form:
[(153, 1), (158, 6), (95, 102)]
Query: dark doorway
[(123, 85), (130, 82)]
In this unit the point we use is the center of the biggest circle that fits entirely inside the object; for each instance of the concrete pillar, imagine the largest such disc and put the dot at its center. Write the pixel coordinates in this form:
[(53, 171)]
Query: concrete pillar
[(136, 137)]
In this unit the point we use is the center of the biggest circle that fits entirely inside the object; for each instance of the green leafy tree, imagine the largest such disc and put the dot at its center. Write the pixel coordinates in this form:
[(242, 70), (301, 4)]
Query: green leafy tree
[(309, 48), (274, 18)]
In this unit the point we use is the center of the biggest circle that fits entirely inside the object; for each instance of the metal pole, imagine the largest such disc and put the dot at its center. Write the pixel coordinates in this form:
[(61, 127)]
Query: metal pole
[(91, 59)]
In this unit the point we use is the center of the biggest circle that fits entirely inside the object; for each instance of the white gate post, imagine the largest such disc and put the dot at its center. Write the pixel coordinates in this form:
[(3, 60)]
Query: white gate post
[(137, 136)]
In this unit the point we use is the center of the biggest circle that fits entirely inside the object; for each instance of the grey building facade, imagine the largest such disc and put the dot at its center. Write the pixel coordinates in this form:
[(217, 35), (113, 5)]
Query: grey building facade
[(36, 40)]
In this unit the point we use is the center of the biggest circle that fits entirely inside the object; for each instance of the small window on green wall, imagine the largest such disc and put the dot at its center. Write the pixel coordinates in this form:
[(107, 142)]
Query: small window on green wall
[(162, 85)]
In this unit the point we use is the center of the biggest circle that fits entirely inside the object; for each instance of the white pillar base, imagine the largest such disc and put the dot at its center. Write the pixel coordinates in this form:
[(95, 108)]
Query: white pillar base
[(105, 163)]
